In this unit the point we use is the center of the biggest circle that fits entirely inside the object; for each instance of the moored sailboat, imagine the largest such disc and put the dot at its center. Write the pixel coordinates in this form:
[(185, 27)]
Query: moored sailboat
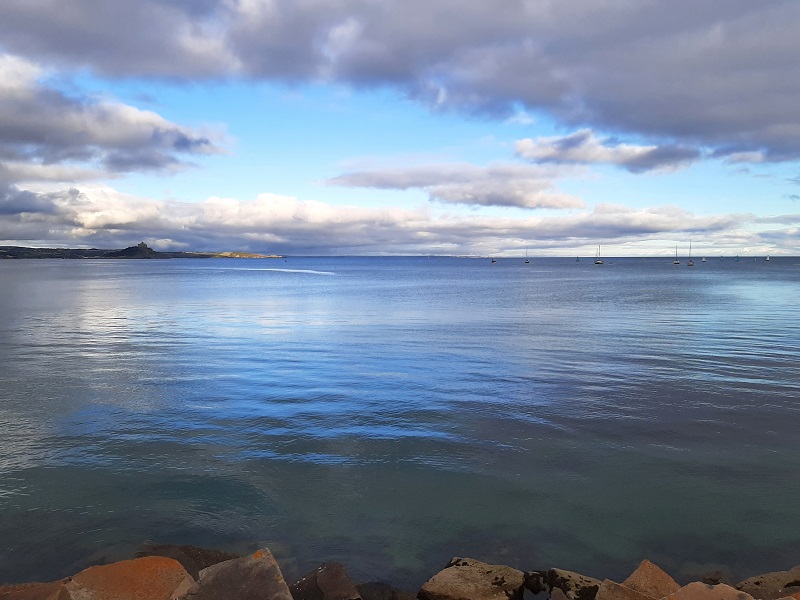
[(690, 262), (598, 260)]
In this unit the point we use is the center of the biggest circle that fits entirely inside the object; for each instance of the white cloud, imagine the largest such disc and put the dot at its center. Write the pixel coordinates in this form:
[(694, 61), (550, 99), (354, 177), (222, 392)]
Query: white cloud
[(100, 216)]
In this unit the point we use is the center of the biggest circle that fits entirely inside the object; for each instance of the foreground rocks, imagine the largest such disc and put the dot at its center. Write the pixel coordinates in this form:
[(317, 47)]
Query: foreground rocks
[(151, 578), (469, 579), (253, 577), (327, 582), (188, 573)]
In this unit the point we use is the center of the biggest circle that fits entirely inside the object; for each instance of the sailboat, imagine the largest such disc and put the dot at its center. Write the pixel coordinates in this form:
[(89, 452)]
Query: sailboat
[(676, 261), (598, 260), (690, 262), (767, 259), (704, 259), (526, 256)]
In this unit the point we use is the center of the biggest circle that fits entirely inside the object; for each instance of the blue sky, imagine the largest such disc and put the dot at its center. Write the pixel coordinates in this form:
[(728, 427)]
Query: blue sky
[(353, 127)]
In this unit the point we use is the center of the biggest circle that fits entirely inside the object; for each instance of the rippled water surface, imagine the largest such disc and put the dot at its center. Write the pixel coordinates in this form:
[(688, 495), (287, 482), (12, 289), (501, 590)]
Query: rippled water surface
[(390, 413)]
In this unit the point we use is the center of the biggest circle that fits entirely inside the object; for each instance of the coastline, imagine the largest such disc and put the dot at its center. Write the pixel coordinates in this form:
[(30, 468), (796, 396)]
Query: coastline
[(140, 251), (183, 572)]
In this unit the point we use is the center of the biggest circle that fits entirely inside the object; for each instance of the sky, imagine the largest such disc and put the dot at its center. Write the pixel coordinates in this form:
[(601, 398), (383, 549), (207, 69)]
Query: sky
[(421, 127)]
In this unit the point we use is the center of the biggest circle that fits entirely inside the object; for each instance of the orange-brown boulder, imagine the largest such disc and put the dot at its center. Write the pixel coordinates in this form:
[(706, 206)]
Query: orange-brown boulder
[(651, 580), (193, 558), (153, 578), (704, 591), (31, 591), (610, 590)]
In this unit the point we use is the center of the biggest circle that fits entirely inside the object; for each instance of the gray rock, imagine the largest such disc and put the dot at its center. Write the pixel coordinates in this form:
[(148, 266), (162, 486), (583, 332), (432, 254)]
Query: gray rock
[(557, 594), (770, 586), (470, 579), (574, 585), (254, 577), (326, 582), (536, 581)]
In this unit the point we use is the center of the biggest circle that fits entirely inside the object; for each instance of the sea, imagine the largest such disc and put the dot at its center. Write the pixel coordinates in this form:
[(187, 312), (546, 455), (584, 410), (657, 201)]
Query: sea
[(391, 413)]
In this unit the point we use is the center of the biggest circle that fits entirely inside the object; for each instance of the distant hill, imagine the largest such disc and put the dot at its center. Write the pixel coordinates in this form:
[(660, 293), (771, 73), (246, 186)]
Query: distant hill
[(139, 251)]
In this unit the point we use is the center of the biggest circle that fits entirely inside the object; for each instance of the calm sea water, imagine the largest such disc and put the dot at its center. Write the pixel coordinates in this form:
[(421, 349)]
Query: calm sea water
[(390, 413)]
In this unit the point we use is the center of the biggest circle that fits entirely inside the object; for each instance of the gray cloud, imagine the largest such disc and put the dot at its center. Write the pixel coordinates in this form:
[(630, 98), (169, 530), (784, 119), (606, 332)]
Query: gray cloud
[(787, 238), (582, 147), (780, 219), (42, 127), (719, 74), (522, 186), (14, 201), (147, 38)]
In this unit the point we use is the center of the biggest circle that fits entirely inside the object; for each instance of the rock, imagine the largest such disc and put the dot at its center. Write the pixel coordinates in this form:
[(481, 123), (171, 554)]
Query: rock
[(327, 582), (377, 590), (254, 577), (651, 580), (610, 590), (31, 591), (717, 577), (153, 577), (535, 581), (470, 579), (557, 594), (141, 250), (770, 586), (703, 591), (574, 585), (192, 558)]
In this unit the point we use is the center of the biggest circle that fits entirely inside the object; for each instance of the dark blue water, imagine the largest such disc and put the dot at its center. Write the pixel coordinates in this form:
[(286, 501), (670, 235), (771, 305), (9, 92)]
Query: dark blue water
[(390, 413)]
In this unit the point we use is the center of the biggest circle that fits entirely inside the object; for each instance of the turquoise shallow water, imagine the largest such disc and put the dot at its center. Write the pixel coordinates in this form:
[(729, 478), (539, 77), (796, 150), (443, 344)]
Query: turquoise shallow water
[(393, 412)]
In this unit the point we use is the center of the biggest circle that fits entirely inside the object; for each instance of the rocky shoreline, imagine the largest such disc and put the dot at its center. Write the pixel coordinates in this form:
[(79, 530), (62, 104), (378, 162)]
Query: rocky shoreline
[(168, 572)]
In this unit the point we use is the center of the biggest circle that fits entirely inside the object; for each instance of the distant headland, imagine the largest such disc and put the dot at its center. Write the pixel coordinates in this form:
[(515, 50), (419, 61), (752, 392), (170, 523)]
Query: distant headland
[(141, 250)]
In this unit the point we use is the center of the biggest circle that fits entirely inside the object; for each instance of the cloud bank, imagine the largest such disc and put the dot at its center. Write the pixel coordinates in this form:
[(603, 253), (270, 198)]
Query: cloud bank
[(687, 80), (716, 74), (49, 135), (102, 217), (507, 185), (583, 147)]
